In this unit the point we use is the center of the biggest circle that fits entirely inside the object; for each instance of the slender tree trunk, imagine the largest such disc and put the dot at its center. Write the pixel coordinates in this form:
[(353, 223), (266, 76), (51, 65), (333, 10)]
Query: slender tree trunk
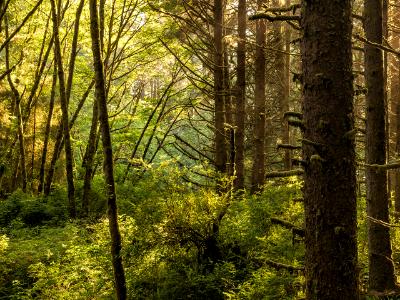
[(220, 145), (119, 275), (282, 94), (74, 50), (240, 109), (56, 153), (285, 79), (329, 181), (47, 131), (68, 88), (18, 112), (229, 132), (381, 269), (65, 119), (32, 170), (88, 159), (258, 172), (58, 145)]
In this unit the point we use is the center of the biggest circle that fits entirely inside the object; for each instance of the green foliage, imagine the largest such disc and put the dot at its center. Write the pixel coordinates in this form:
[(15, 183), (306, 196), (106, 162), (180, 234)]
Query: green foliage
[(10, 208), (23, 209), (167, 229)]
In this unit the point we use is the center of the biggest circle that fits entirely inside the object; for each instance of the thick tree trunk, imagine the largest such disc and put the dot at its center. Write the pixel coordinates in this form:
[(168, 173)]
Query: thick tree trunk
[(381, 269), (395, 106), (396, 99), (329, 180), (240, 109), (65, 119), (220, 145), (100, 93), (258, 171), (385, 32)]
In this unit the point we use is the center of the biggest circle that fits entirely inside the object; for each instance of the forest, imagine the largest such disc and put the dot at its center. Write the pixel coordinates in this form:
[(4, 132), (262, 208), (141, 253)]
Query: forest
[(200, 149)]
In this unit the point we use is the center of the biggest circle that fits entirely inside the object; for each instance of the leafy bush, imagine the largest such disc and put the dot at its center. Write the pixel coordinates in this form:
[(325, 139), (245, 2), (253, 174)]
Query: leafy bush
[(10, 208), (25, 210)]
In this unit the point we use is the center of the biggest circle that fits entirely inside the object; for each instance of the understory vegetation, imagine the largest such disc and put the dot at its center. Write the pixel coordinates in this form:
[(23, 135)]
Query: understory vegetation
[(166, 226)]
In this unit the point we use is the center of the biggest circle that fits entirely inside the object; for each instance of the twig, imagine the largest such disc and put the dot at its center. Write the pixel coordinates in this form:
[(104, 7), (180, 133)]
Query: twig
[(276, 174)]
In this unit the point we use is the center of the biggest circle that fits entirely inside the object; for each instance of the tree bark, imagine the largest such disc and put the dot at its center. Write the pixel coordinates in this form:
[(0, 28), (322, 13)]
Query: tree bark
[(220, 145), (65, 119), (381, 269), (285, 82), (60, 140), (68, 88), (47, 131), (88, 159), (240, 109), (18, 112), (329, 180), (258, 172), (229, 131), (100, 94), (395, 106)]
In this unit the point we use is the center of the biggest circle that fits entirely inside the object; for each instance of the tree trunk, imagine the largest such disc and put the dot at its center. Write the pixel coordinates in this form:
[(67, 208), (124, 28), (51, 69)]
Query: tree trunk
[(395, 107), (381, 269), (220, 145), (258, 172), (65, 119), (47, 131), (240, 109), (88, 159), (68, 88), (385, 32), (285, 82), (18, 113), (100, 94), (60, 140), (229, 131), (329, 180)]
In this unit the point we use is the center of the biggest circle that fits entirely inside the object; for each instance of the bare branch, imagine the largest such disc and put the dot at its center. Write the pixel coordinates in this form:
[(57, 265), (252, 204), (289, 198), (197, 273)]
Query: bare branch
[(276, 174), (271, 18)]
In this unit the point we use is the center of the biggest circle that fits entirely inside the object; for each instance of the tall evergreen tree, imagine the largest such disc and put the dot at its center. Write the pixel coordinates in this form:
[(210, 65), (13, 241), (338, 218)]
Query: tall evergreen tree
[(258, 171), (381, 269), (220, 144), (240, 112), (328, 151)]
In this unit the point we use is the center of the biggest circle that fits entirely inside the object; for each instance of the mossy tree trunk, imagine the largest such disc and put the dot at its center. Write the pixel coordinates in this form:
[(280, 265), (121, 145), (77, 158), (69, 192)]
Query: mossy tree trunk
[(101, 98)]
